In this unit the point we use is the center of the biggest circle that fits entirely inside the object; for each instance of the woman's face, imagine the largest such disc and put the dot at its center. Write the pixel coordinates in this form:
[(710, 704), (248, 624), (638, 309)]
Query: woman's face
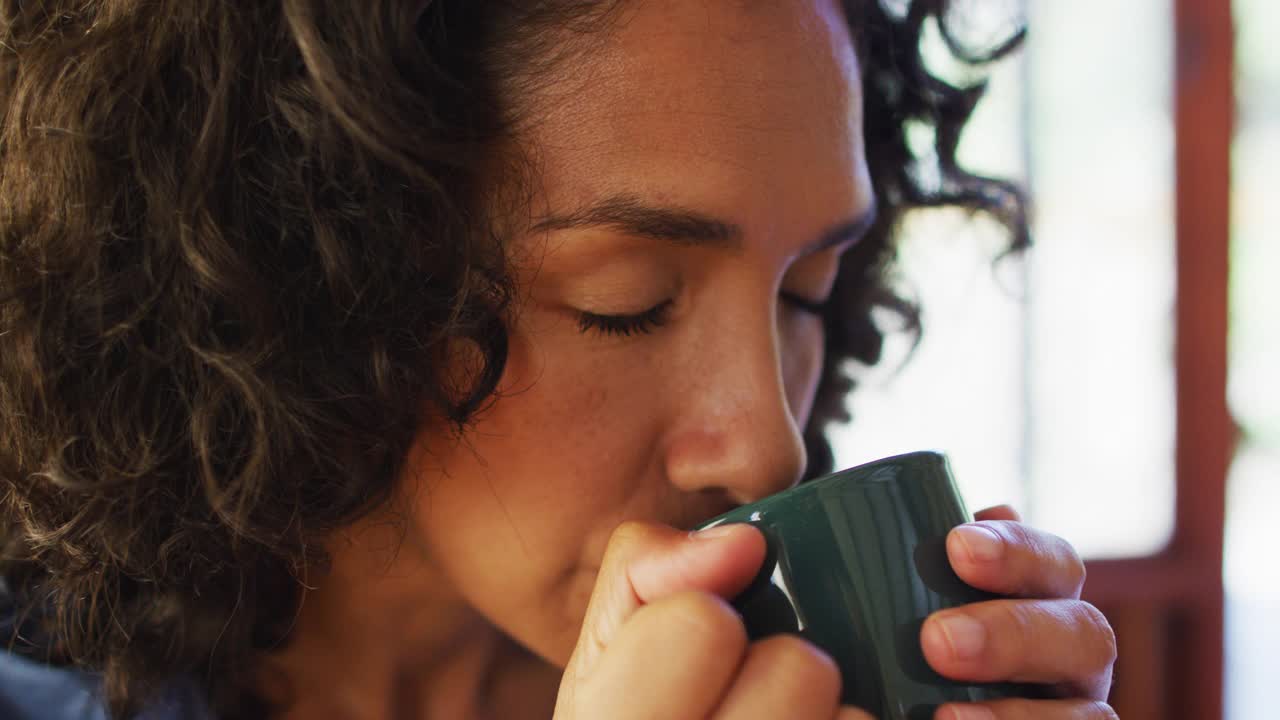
[(698, 176)]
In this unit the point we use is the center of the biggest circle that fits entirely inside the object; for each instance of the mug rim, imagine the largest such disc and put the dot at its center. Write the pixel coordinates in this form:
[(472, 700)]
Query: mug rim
[(818, 484)]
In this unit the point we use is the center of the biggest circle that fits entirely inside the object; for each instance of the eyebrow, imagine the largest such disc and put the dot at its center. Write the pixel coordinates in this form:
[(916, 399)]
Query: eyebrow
[(680, 226)]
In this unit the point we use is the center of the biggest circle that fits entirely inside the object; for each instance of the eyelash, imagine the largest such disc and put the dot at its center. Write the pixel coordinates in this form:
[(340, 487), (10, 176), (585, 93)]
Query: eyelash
[(806, 305), (626, 325), (657, 316)]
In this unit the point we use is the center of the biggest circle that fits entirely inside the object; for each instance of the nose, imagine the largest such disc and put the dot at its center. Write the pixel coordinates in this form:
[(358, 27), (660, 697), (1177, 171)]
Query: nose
[(735, 432)]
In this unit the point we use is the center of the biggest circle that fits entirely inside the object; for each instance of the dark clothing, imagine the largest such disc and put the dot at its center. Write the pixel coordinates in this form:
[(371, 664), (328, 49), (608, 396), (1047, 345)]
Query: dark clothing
[(32, 691)]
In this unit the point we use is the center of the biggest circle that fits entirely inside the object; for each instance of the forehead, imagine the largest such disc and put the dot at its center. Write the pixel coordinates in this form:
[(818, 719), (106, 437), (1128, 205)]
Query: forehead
[(717, 104)]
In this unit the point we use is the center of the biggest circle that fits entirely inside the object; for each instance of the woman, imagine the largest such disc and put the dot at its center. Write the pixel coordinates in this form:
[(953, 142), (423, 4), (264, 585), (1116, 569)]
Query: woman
[(371, 360)]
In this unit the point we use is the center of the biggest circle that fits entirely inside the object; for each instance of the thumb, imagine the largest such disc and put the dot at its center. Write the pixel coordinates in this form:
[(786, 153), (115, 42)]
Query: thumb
[(645, 562)]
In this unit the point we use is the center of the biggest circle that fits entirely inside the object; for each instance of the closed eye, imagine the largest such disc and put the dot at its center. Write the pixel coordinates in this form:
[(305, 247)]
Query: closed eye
[(813, 307), (625, 325)]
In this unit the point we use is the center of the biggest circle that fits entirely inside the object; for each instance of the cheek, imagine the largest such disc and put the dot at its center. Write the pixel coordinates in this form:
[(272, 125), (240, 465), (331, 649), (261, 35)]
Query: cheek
[(572, 405), (564, 425), (520, 509)]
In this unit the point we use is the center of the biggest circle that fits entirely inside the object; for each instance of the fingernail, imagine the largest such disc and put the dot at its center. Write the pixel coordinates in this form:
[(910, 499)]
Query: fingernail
[(966, 712), (716, 532), (983, 545), (965, 635)]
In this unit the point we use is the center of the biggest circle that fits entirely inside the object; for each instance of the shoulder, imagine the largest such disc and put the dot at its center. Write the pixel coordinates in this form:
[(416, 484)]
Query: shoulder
[(33, 691)]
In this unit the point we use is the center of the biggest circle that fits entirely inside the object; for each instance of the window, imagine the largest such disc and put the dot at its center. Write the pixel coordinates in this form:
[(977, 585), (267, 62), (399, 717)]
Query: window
[(1088, 385), (1252, 574), (1050, 382)]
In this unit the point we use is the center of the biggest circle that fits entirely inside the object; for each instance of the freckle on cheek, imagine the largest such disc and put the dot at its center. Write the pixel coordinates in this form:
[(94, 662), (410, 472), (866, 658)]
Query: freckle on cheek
[(597, 399)]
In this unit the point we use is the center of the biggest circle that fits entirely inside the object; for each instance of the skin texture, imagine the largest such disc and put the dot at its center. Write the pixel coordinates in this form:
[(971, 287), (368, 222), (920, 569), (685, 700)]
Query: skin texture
[(513, 529), (705, 412)]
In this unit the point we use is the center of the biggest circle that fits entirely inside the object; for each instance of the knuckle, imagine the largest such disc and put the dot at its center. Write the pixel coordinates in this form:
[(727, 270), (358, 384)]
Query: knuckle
[(629, 540), (1106, 646), (1073, 562), (704, 623), (627, 534), (1102, 711), (802, 666), (1041, 547)]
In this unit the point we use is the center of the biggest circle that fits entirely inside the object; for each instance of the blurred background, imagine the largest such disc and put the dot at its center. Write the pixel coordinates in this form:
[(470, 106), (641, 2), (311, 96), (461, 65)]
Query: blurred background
[(1120, 383)]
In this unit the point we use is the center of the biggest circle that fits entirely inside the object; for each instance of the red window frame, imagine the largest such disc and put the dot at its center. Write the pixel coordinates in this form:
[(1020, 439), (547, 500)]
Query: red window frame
[(1168, 609)]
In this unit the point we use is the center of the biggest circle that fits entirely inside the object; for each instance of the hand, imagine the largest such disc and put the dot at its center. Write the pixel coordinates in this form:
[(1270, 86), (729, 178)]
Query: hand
[(1043, 633), (660, 641)]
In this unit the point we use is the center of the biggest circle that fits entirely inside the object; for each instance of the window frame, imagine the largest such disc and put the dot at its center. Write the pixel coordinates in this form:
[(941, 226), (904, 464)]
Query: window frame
[(1167, 609)]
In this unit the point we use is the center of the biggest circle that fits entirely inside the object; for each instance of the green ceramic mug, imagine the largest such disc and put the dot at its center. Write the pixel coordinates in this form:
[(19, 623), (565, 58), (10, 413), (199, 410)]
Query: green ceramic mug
[(856, 562)]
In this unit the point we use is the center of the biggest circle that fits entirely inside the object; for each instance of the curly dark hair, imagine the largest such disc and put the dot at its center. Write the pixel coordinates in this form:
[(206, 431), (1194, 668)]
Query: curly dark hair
[(239, 245)]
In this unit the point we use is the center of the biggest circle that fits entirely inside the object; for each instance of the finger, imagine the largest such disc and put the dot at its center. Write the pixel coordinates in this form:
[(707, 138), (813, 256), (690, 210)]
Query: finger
[(1029, 710), (645, 562), (783, 676), (999, 512), (1067, 643), (1009, 558), (698, 642)]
